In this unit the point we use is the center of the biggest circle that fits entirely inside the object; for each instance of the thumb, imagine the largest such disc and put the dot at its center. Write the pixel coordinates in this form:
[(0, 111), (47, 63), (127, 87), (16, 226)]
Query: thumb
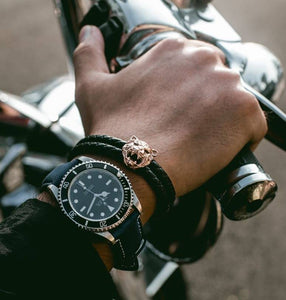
[(89, 55)]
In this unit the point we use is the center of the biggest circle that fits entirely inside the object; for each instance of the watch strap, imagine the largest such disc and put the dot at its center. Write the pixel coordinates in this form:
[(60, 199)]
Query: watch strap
[(129, 242), (55, 177)]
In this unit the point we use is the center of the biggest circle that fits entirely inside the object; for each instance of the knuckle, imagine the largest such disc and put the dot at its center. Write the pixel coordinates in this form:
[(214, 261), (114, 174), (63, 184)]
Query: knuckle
[(207, 54), (245, 103), (252, 112), (234, 75), (171, 44), (249, 102), (227, 75), (81, 50)]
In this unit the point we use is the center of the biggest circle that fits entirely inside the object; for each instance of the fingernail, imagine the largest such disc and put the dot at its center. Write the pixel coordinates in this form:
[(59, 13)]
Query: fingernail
[(84, 33)]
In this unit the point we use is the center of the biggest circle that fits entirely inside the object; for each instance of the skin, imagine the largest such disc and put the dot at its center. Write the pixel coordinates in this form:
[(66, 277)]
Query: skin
[(180, 98)]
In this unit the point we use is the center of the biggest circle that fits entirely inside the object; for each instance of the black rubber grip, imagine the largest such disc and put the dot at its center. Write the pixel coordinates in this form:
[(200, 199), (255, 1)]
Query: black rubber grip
[(220, 182), (97, 15), (112, 32)]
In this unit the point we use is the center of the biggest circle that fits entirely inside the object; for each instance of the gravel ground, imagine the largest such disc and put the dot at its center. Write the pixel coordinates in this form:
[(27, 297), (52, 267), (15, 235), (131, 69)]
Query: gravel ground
[(247, 262)]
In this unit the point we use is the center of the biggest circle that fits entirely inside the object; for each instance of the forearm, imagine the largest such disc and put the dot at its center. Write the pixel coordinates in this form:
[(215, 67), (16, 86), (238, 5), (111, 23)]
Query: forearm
[(41, 253)]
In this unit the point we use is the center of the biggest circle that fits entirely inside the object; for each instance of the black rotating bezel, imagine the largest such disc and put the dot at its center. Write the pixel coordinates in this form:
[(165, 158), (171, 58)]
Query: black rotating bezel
[(97, 226)]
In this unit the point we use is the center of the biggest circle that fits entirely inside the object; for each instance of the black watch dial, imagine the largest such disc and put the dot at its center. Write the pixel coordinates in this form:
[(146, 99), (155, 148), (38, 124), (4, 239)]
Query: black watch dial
[(96, 195)]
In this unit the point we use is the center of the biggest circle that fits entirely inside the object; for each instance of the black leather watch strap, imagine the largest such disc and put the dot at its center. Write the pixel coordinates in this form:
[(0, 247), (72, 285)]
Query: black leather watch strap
[(56, 176), (129, 242)]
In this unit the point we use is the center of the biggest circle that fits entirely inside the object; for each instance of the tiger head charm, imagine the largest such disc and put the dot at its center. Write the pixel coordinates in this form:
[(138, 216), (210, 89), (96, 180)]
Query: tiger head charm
[(137, 153)]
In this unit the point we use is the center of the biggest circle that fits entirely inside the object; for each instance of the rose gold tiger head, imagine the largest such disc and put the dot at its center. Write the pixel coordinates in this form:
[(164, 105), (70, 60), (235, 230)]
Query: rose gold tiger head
[(137, 153)]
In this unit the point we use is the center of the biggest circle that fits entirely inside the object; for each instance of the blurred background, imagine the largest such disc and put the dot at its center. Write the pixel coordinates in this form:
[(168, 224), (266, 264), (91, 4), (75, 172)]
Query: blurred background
[(248, 260)]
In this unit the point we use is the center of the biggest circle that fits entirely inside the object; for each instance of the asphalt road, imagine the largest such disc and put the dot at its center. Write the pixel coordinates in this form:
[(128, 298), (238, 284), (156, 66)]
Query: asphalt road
[(248, 262)]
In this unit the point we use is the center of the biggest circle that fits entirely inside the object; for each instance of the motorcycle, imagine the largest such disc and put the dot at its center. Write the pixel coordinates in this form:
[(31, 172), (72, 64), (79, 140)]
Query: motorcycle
[(130, 28)]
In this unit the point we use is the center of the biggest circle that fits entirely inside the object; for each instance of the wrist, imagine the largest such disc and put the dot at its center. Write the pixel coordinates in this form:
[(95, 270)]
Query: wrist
[(47, 198)]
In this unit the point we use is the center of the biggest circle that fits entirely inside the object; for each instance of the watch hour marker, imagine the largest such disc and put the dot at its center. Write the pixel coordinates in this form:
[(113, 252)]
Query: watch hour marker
[(115, 190), (75, 201), (83, 208), (108, 182), (99, 176), (110, 208), (81, 183), (91, 214), (116, 199), (89, 177), (75, 191), (102, 214)]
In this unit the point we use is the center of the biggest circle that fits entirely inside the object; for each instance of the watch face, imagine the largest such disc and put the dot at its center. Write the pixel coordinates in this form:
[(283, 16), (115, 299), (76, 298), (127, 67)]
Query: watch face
[(96, 195)]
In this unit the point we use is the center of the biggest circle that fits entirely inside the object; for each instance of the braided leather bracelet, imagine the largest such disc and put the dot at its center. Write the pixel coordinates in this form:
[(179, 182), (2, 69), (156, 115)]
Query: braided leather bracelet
[(154, 175)]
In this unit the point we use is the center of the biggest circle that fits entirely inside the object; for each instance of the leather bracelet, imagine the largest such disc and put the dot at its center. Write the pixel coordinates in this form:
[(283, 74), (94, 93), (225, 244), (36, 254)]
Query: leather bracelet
[(154, 175)]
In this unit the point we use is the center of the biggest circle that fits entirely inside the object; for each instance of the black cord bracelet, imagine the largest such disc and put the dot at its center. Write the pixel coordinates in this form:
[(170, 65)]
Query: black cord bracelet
[(154, 175)]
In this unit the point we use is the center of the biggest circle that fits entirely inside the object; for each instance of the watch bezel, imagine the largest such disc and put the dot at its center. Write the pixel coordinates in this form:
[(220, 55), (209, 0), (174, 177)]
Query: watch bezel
[(96, 226)]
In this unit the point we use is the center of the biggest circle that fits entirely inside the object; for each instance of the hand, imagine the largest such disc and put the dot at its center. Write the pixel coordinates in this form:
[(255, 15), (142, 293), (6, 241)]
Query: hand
[(103, 194), (91, 204), (179, 97)]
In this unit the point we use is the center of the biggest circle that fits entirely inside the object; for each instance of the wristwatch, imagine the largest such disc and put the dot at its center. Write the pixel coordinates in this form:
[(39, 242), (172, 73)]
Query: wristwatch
[(98, 197)]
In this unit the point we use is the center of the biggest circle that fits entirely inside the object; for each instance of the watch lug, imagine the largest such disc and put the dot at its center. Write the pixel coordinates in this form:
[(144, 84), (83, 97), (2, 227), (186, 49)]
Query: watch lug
[(107, 235), (137, 203), (53, 190)]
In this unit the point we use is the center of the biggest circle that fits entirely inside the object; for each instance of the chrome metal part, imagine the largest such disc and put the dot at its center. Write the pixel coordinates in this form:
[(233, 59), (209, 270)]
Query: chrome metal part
[(243, 172), (263, 71), (107, 235), (161, 278), (135, 13), (25, 109), (63, 95), (208, 24), (249, 196), (136, 202), (67, 12), (54, 190), (234, 53)]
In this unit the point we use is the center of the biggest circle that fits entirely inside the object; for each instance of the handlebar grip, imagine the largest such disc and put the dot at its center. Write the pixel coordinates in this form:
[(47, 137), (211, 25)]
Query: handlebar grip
[(243, 188), (112, 32), (97, 15)]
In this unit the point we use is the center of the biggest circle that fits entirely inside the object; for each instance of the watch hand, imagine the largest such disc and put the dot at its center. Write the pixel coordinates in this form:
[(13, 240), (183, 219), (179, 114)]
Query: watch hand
[(104, 194), (85, 188), (91, 204)]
